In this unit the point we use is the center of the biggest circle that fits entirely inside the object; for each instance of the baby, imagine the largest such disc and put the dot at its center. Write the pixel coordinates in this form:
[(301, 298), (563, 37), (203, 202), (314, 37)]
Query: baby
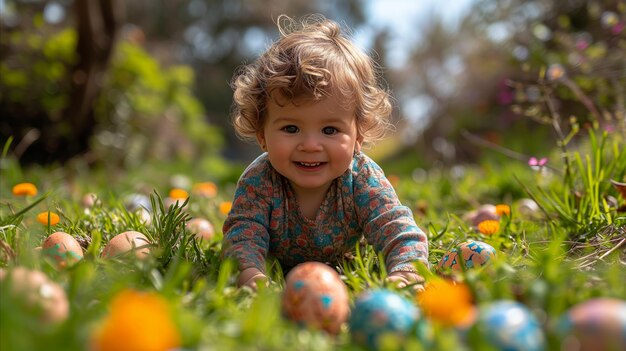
[(311, 101)]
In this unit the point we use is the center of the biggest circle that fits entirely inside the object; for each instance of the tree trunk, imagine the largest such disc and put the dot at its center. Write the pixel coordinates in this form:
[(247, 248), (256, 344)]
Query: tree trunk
[(97, 26)]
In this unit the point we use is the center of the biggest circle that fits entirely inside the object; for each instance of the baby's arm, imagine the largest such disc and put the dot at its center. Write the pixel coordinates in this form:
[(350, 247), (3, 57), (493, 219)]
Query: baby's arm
[(246, 238), (389, 226)]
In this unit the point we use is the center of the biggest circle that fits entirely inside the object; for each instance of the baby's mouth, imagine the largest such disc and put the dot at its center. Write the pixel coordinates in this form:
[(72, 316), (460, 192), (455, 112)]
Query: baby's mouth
[(310, 164)]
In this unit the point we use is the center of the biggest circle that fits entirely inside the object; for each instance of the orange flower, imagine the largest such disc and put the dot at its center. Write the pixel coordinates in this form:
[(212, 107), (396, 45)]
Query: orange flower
[(447, 302), (137, 322), (48, 218), (225, 207), (179, 194), (503, 210), (488, 227), (205, 189), (25, 189)]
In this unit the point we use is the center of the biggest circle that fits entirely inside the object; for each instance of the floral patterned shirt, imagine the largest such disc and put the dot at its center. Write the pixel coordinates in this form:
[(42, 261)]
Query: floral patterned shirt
[(265, 220)]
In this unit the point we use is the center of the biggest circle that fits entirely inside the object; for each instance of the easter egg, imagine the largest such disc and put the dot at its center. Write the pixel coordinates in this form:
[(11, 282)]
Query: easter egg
[(315, 297), (472, 254), (35, 294), (509, 325), (483, 213), (381, 313), (528, 207), (63, 248), (126, 242), (90, 200), (201, 228), (134, 202), (598, 324)]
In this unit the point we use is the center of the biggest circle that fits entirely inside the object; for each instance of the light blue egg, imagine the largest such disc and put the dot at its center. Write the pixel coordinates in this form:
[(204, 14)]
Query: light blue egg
[(510, 326), (378, 312), (136, 201)]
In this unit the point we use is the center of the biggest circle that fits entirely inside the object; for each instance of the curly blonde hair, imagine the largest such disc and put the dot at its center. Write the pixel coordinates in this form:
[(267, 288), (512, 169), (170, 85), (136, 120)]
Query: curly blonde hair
[(311, 60)]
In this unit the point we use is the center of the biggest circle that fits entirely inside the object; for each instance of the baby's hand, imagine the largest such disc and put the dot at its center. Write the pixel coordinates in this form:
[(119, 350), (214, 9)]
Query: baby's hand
[(404, 278), (250, 276)]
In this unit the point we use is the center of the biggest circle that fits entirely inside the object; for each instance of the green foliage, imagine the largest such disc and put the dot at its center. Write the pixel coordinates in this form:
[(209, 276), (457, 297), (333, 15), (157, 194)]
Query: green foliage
[(147, 111), (144, 111), (34, 77)]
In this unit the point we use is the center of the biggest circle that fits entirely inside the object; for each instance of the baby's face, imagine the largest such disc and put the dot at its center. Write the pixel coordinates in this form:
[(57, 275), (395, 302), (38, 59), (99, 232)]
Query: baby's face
[(310, 144)]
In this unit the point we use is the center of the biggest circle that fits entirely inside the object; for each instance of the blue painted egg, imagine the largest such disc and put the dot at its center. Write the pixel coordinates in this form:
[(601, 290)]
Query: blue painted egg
[(509, 326), (316, 297), (598, 324), (471, 254), (381, 312)]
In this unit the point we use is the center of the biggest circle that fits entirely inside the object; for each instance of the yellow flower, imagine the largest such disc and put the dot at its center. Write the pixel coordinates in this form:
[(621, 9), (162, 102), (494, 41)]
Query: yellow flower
[(205, 189), (179, 194), (225, 207), (447, 303), (503, 210), (25, 189), (48, 218), (488, 227), (137, 321)]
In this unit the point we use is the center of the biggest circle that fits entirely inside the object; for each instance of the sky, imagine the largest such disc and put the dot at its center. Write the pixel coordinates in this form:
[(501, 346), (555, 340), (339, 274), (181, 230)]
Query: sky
[(402, 17)]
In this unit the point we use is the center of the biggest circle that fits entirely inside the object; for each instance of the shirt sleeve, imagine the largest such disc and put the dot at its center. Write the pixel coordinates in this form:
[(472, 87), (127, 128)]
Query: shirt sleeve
[(387, 225), (246, 239)]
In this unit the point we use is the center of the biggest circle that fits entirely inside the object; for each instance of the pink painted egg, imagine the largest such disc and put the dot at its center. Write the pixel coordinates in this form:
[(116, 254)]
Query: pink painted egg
[(62, 248), (316, 297), (126, 242), (597, 324), (471, 254), (201, 228), (32, 292)]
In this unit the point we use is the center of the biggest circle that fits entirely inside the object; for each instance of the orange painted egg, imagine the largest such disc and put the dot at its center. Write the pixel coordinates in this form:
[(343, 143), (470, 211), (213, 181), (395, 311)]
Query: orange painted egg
[(63, 248), (201, 228), (471, 254), (35, 294), (316, 297), (125, 242)]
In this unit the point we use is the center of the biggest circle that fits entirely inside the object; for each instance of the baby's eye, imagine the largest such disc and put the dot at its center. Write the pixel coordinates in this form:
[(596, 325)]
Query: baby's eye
[(290, 129), (329, 130)]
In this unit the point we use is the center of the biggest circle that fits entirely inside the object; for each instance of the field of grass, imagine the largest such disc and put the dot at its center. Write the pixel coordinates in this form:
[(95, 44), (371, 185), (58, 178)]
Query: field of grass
[(568, 250)]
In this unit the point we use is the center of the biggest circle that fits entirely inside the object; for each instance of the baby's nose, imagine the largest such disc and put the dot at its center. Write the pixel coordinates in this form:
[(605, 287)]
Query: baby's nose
[(309, 143)]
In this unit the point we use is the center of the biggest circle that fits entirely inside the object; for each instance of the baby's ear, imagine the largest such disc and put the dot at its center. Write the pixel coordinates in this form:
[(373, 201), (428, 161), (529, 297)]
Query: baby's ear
[(358, 144), (260, 138)]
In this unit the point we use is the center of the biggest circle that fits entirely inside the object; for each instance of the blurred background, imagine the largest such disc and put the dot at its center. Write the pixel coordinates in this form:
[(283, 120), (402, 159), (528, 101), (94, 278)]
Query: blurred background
[(118, 83)]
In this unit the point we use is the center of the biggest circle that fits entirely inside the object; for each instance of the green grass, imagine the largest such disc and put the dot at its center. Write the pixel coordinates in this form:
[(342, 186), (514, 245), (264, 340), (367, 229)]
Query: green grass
[(565, 254)]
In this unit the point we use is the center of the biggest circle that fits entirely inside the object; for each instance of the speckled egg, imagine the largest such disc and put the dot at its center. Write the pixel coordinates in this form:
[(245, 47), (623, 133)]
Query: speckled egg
[(126, 242), (62, 248), (377, 313), (201, 228), (598, 324), (35, 294), (315, 297), (473, 254), (510, 326)]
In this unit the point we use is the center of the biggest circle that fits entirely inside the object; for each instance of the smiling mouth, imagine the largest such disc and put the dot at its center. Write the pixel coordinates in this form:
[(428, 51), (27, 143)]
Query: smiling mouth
[(310, 164)]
